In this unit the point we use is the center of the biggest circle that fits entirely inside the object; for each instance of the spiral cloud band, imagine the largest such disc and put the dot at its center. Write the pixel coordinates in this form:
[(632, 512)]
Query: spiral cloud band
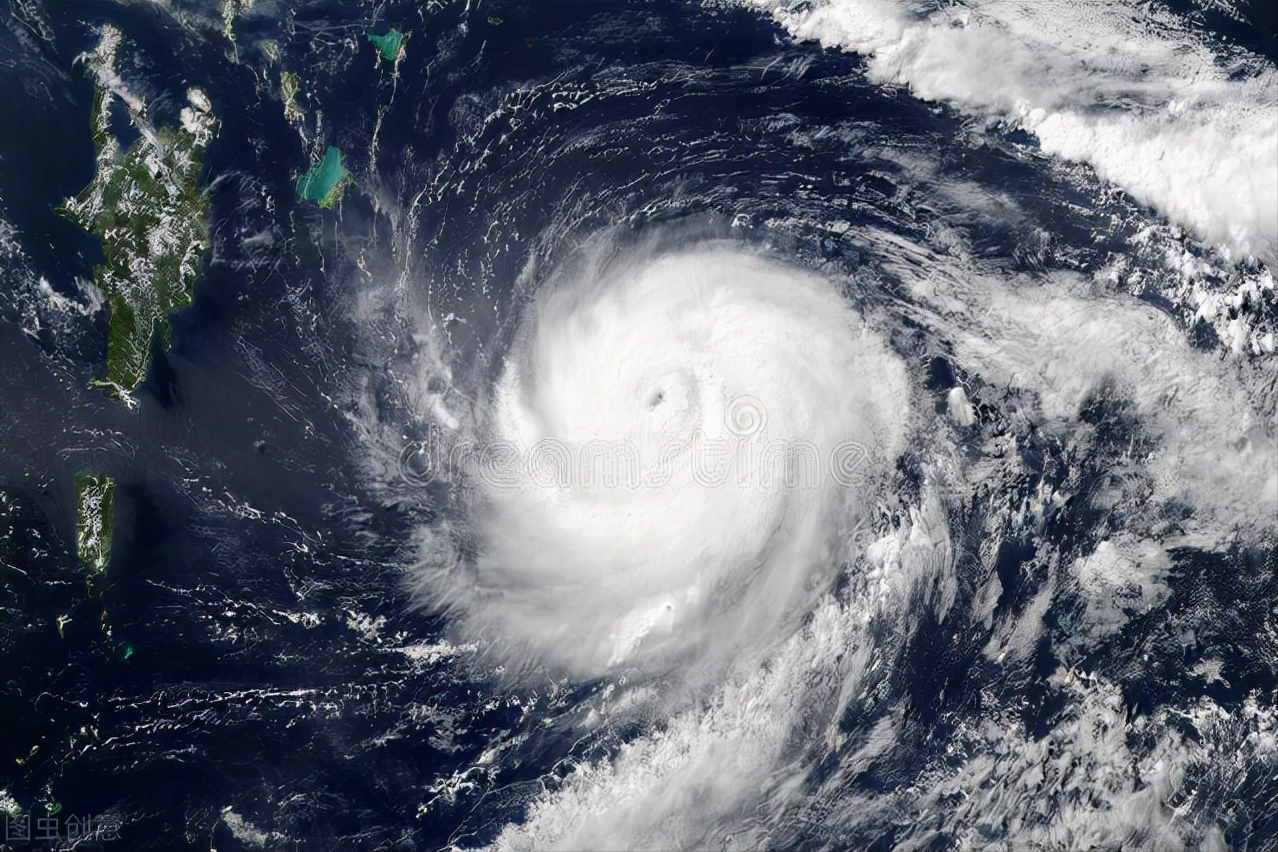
[(680, 436)]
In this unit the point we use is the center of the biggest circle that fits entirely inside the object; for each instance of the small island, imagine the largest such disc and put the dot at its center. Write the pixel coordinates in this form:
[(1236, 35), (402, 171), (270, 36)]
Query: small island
[(94, 520), (325, 181), (391, 44)]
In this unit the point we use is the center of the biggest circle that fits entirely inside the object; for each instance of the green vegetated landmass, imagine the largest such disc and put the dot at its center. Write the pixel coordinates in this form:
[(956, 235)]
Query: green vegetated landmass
[(94, 526), (94, 520), (231, 10), (325, 181), (290, 87), (390, 44), (146, 206)]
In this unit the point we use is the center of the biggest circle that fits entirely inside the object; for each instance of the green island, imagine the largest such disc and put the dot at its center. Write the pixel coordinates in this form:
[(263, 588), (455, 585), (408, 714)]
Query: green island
[(94, 525), (94, 520), (232, 10), (146, 205), (325, 181), (391, 44), (290, 86)]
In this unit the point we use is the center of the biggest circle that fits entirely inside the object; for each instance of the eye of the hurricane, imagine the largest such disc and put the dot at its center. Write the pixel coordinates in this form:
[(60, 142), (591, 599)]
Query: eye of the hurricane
[(643, 542)]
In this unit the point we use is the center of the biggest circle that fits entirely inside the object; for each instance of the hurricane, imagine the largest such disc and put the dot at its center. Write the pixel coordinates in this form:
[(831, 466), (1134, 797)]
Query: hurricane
[(639, 425), (667, 424)]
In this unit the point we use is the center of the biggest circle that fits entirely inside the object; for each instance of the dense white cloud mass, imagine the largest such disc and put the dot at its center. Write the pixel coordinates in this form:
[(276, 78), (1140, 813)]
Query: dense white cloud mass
[(707, 482), (1126, 90), (668, 458)]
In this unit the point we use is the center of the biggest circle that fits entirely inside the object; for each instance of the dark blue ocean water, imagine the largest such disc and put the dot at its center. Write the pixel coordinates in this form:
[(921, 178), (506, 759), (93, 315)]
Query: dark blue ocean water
[(251, 539)]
